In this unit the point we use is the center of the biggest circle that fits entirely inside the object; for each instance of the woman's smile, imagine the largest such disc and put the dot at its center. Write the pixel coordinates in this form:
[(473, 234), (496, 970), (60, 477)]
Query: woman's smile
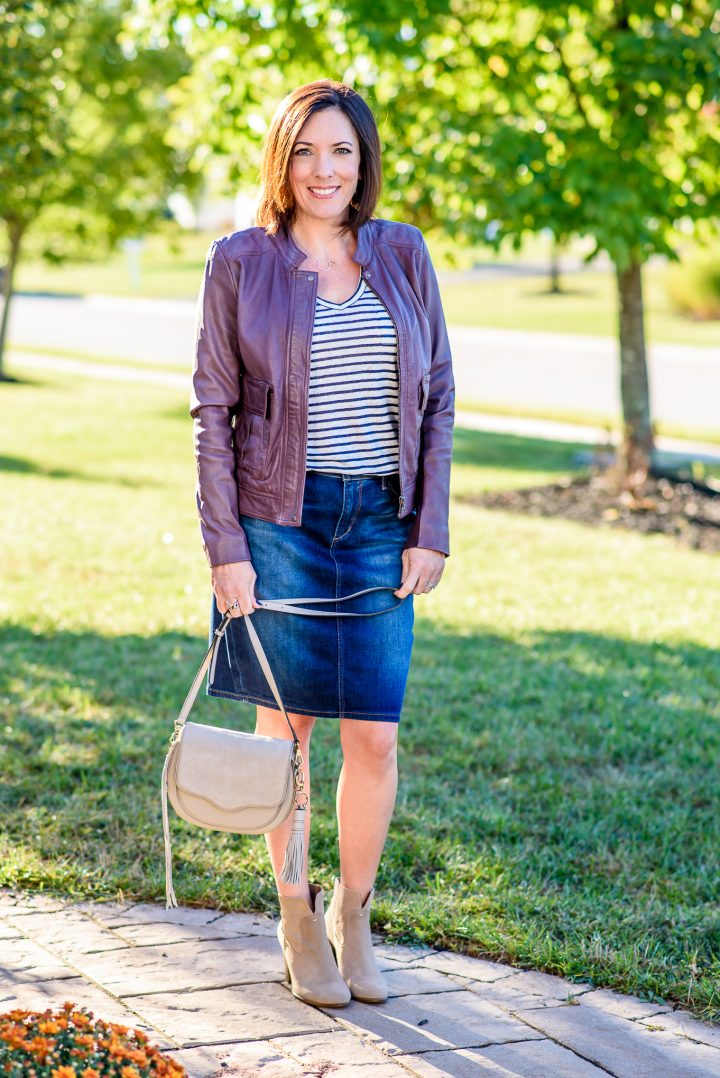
[(323, 192)]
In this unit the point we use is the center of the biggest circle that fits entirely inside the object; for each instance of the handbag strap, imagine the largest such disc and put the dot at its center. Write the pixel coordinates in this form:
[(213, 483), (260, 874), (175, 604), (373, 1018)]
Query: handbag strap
[(289, 606), (283, 605)]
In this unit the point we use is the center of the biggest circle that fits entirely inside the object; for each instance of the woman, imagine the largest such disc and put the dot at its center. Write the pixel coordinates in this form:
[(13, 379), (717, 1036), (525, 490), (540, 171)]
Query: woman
[(323, 409)]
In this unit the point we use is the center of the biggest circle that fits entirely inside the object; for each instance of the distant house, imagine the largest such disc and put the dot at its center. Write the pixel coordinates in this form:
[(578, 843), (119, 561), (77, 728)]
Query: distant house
[(212, 213)]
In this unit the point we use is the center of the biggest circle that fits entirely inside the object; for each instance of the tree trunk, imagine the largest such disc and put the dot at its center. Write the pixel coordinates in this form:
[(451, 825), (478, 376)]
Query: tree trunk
[(637, 441), (15, 236), (555, 285)]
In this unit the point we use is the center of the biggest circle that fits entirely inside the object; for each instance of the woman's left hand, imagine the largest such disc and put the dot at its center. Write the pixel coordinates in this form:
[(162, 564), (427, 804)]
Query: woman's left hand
[(421, 570)]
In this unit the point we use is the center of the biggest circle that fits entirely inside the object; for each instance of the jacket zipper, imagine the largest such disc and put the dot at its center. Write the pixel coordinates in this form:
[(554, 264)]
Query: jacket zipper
[(306, 387), (365, 274)]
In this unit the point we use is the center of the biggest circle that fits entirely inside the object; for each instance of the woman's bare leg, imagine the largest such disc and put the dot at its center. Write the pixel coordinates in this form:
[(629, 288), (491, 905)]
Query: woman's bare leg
[(272, 723), (365, 798)]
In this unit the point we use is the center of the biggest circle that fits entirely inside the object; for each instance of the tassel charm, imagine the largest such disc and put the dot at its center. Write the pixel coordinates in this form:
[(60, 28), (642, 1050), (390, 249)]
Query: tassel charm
[(295, 851), (170, 899)]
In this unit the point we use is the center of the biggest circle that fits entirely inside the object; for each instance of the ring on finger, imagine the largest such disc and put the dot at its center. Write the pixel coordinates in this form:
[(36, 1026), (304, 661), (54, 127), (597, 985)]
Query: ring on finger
[(234, 605)]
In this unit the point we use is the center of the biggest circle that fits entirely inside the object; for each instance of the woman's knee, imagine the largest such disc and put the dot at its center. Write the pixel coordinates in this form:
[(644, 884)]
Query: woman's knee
[(373, 744)]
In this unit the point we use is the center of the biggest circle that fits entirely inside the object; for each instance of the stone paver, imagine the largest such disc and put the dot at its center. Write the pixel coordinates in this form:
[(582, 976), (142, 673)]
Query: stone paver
[(687, 1026), (71, 933), (625, 1049), (185, 966), (414, 1024), (504, 995), (476, 969), (23, 960), (239, 1061), (206, 986), (621, 1005), (338, 1054), (531, 1059), (248, 1012), (411, 981)]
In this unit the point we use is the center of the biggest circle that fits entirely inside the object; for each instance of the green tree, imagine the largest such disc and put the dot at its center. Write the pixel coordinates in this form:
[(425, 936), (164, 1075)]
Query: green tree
[(86, 156), (595, 119), (605, 124)]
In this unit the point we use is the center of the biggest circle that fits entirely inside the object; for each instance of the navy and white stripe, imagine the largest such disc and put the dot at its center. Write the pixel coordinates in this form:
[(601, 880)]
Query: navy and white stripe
[(353, 402)]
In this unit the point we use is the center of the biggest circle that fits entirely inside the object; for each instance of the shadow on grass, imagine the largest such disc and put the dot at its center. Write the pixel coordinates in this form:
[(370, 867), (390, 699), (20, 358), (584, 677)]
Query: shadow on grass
[(487, 449), (558, 803), (23, 466)]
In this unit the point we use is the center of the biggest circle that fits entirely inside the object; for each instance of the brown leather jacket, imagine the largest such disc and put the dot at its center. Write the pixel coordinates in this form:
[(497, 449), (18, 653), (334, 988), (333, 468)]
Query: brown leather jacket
[(249, 395)]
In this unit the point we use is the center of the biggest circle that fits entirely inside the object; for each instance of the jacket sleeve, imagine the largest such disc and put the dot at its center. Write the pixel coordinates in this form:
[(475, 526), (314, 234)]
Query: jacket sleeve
[(214, 397), (430, 527)]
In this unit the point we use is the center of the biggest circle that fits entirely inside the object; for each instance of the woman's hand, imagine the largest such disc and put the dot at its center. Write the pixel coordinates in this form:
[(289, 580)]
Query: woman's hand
[(421, 572), (235, 580)]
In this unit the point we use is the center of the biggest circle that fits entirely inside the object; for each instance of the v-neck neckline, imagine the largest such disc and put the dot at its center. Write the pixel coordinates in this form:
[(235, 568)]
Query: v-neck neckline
[(345, 302)]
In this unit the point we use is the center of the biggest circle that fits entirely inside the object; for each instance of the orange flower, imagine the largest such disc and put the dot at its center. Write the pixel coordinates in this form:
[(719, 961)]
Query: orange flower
[(40, 1047), (90, 1072), (48, 1026), (129, 1072), (63, 1072), (135, 1055)]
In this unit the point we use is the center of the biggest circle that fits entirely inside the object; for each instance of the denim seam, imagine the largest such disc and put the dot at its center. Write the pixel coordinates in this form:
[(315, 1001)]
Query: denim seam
[(355, 514), (338, 631), (340, 518)]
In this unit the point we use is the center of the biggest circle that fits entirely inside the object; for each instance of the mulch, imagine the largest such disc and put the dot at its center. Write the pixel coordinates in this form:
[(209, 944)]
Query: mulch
[(688, 511)]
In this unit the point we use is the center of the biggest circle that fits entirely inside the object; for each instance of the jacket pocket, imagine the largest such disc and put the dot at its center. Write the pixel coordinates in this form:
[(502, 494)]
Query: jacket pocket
[(423, 392), (252, 426)]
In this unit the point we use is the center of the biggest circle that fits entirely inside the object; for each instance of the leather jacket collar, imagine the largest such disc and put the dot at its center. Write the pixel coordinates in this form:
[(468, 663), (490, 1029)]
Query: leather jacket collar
[(293, 256)]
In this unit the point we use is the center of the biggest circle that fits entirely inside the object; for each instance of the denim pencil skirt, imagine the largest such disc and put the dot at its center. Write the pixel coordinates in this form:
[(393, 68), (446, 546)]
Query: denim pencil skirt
[(354, 668)]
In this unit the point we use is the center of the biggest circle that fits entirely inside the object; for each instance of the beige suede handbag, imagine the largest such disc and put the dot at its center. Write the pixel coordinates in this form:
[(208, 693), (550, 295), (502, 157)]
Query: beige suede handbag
[(228, 780)]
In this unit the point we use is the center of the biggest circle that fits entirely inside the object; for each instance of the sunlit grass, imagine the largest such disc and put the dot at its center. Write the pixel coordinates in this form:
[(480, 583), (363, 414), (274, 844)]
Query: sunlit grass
[(558, 803)]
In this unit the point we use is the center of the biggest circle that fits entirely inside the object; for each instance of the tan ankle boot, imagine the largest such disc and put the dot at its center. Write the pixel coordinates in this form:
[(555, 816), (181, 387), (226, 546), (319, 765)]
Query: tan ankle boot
[(309, 964), (348, 929)]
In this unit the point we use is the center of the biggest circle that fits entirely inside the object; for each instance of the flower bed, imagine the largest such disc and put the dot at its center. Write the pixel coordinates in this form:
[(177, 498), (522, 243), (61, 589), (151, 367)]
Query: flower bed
[(72, 1043)]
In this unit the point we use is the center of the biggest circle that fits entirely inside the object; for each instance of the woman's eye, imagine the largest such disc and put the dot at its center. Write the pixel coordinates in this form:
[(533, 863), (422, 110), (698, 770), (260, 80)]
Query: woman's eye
[(304, 149)]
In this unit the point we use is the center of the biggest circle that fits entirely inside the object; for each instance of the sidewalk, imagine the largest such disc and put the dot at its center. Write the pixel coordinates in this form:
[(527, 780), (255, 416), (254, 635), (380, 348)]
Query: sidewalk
[(671, 450), (209, 988)]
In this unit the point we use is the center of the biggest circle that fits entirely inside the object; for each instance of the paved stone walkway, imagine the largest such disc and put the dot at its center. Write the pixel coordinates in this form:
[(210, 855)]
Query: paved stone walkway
[(209, 988)]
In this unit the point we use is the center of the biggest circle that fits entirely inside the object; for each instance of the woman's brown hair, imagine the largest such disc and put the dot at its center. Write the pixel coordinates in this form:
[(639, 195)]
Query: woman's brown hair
[(276, 206)]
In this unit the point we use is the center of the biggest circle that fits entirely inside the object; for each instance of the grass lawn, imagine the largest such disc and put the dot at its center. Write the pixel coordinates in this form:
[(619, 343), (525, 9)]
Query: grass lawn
[(559, 804), (587, 307)]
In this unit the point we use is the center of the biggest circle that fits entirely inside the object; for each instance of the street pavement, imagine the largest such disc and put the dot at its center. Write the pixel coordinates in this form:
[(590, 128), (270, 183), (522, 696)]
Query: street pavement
[(528, 370), (670, 451), (208, 988)]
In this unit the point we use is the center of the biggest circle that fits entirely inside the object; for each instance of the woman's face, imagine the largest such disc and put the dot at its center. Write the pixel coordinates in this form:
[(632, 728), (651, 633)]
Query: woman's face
[(324, 166)]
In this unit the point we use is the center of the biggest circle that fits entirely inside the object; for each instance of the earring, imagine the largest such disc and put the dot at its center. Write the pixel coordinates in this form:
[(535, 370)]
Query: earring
[(355, 205)]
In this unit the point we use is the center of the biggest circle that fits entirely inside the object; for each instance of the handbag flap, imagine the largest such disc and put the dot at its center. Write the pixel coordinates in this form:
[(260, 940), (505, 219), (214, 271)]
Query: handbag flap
[(232, 769)]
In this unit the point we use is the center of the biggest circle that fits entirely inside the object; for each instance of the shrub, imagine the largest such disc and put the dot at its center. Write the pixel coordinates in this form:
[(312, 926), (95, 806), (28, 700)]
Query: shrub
[(694, 286), (71, 1043)]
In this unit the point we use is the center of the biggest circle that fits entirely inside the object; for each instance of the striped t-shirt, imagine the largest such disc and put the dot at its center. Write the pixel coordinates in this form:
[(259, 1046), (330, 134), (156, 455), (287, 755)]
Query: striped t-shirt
[(353, 401)]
